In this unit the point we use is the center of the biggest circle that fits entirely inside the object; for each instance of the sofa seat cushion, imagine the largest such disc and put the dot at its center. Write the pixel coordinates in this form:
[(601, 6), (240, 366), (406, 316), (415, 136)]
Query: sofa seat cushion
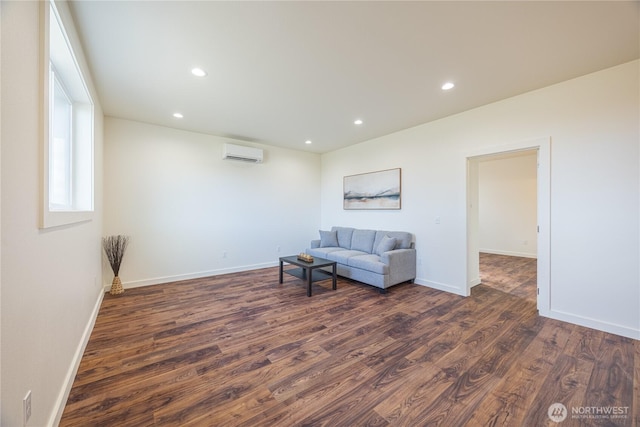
[(323, 252), (342, 256), (368, 262)]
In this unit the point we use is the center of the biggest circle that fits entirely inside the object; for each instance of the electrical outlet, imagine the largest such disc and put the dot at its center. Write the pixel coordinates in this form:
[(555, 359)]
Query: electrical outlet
[(278, 248), (224, 254), (26, 407)]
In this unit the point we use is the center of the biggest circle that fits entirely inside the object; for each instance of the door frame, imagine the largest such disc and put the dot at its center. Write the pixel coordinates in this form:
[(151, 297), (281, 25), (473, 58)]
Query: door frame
[(543, 148)]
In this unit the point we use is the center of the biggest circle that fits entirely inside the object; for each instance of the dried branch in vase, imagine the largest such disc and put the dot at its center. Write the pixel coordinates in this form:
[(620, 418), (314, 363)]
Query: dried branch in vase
[(114, 247)]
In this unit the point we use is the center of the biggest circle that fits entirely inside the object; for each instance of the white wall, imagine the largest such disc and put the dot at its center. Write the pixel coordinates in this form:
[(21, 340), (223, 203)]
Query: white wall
[(507, 205), (0, 214), (595, 187), (191, 214), (50, 278)]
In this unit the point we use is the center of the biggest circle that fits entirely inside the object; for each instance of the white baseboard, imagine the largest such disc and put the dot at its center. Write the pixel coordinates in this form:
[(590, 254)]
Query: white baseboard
[(441, 287), (188, 276), (588, 322), (474, 282), (61, 401), (510, 253)]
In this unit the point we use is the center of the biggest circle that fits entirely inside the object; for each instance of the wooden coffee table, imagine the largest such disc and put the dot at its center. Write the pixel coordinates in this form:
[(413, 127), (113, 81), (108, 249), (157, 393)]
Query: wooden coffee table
[(309, 271)]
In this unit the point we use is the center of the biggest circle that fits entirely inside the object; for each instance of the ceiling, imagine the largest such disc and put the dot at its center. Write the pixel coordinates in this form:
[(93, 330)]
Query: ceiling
[(282, 73)]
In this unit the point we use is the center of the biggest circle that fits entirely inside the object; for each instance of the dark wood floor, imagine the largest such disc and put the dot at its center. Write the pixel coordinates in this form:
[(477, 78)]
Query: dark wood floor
[(514, 275), (243, 350)]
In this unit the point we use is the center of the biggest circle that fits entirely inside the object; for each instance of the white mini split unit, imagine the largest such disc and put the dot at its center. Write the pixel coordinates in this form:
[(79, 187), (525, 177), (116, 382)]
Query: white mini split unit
[(242, 153)]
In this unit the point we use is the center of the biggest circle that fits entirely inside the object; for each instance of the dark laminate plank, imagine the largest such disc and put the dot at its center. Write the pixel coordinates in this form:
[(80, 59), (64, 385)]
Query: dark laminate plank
[(457, 327), (513, 395), (417, 392), (586, 345), (565, 383), (243, 350), (335, 390), (483, 337), (459, 401), (611, 381), (514, 275)]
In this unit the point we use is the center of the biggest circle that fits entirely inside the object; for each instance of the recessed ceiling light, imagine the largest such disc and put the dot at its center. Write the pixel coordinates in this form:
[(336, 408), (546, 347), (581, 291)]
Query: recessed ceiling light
[(198, 72), (357, 122), (308, 141), (447, 86), (178, 115)]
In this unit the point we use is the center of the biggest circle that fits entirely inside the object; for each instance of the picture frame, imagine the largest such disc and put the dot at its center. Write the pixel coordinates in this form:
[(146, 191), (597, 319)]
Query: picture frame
[(373, 190)]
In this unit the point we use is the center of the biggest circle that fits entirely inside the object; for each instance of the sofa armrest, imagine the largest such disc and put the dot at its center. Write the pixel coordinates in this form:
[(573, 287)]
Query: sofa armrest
[(402, 264), (398, 256), (315, 244)]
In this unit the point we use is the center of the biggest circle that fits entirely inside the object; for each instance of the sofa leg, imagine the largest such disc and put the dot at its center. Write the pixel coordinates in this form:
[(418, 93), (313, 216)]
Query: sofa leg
[(382, 291)]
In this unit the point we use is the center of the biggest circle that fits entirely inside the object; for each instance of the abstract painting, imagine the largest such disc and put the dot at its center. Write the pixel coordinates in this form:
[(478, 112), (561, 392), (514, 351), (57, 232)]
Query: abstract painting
[(373, 190)]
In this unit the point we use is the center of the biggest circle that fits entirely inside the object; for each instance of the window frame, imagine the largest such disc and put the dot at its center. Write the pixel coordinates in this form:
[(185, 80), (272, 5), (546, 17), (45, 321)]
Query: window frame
[(81, 206)]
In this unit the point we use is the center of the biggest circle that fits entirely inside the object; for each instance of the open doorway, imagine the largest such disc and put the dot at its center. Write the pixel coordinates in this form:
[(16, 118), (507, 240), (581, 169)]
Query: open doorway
[(519, 248), (507, 222)]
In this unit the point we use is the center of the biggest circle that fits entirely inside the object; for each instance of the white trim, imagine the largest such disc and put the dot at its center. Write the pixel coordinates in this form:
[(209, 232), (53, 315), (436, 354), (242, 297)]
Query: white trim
[(543, 146), (61, 401), (473, 282), (188, 276), (440, 286), (589, 322)]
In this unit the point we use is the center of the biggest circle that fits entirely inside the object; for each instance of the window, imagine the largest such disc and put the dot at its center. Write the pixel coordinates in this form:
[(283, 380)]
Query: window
[(60, 146), (68, 129)]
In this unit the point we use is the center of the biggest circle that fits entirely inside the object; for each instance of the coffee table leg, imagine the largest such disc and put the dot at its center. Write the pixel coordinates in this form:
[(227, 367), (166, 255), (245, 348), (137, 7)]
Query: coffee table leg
[(334, 278), (281, 271), (309, 281)]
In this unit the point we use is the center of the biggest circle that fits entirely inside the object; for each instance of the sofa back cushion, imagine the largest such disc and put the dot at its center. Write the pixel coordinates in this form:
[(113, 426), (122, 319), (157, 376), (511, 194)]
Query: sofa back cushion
[(328, 239), (386, 244), (403, 239), (362, 240), (344, 236)]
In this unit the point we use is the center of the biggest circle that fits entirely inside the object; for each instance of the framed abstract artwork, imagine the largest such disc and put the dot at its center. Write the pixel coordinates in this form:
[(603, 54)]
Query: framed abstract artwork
[(373, 190)]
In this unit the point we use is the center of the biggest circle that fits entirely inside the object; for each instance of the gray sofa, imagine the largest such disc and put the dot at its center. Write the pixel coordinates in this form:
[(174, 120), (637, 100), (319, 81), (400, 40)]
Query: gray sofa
[(375, 257)]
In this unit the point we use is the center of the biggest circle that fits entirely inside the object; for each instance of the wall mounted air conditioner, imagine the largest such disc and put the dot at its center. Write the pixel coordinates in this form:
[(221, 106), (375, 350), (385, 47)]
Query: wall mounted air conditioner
[(239, 152)]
